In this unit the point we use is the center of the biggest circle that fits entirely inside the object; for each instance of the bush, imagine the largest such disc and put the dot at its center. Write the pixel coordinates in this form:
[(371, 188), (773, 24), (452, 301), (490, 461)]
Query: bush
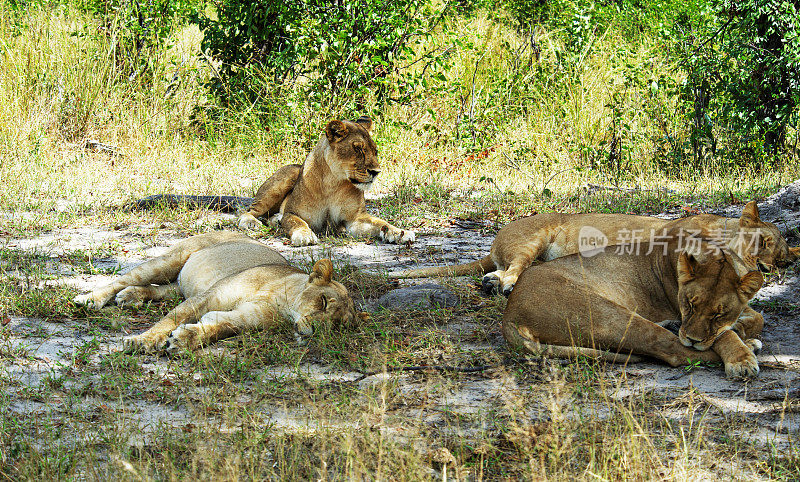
[(341, 53)]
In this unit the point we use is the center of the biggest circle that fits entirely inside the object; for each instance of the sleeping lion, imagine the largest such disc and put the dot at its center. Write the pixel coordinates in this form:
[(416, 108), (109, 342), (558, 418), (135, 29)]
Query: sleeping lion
[(231, 283), (621, 303)]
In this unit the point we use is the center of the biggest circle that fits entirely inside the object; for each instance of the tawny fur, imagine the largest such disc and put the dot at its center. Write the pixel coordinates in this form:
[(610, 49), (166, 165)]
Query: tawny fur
[(548, 236), (231, 283), (327, 191), (578, 305)]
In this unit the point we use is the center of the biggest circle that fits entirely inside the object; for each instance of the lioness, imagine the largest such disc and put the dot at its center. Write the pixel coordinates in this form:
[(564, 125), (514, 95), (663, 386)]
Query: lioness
[(548, 236), (613, 302), (327, 190), (231, 283)]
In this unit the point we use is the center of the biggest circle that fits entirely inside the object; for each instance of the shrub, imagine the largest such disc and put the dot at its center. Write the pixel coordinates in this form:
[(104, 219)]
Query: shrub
[(340, 53)]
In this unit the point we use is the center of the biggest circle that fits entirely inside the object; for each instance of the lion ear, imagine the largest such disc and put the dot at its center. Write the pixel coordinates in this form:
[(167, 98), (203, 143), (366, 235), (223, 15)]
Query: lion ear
[(794, 254), (750, 215), (687, 267), (321, 272), (750, 283), (365, 122), (335, 131)]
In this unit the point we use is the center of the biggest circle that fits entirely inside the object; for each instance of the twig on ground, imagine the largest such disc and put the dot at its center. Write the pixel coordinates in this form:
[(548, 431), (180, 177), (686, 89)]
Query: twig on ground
[(594, 188), (94, 145), (418, 368)]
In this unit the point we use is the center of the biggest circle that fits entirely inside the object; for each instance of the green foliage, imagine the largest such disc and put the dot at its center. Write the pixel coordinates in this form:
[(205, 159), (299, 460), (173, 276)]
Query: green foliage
[(760, 70), (742, 66), (340, 53), (140, 27)]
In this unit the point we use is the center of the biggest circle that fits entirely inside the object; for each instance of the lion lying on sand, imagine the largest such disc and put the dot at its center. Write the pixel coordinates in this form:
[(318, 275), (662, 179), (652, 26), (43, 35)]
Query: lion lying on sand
[(585, 305), (231, 283), (327, 191), (544, 237)]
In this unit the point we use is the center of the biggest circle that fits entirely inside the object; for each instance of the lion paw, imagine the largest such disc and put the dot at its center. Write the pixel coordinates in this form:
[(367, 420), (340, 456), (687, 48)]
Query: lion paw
[(248, 221), (398, 236), (754, 345), (143, 343), (91, 300), (672, 325), (744, 366), (304, 237), (130, 296), (184, 338), (490, 284)]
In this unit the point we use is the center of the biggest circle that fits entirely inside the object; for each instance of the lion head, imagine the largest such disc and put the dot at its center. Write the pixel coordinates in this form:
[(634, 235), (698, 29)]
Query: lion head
[(322, 301), (711, 296), (760, 244), (352, 153)]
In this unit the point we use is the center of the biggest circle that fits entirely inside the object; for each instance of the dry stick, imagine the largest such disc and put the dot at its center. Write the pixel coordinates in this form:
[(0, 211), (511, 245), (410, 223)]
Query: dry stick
[(418, 368), (593, 188), (472, 99), (448, 368)]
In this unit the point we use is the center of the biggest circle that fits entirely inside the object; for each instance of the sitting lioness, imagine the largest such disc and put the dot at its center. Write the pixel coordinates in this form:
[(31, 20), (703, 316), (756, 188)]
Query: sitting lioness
[(616, 303), (231, 283), (327, 191), (544, 237)]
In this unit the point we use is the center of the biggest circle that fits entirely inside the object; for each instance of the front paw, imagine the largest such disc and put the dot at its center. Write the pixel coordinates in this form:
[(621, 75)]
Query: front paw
[(184, 338), (144, 343), (754, 345), (399, 236), (303, 237), (91, 300), (744, 365), (248, 221), (672, 325)]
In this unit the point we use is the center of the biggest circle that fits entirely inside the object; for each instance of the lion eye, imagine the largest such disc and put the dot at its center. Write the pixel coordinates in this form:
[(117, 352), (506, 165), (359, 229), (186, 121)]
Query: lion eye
[(324, 300)]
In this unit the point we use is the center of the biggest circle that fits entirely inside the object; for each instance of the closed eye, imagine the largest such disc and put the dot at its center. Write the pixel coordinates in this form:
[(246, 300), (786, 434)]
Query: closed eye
[(324, 300)]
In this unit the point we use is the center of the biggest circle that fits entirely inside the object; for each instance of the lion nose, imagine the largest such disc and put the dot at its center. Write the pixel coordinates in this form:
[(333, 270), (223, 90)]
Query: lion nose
[(373, 172), (304, 329)]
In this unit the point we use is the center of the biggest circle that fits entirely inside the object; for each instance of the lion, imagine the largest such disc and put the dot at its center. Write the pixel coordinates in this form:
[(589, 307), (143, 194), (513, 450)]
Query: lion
[(577, 305), (327, 191), (231, 283), (544, 237)]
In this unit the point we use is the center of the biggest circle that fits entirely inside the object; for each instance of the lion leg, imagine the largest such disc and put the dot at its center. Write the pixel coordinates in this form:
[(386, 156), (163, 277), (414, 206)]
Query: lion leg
[(749, 324), (524, 254), (137, 295), (298, 230), (153, 339), (161, 270), (366, 225), (619, 331), (216, 325), (738, 356), (515, 268), (270, 195)]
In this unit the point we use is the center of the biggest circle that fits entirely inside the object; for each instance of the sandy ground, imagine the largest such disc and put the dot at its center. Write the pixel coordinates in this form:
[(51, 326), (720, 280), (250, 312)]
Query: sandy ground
[(767, 399)]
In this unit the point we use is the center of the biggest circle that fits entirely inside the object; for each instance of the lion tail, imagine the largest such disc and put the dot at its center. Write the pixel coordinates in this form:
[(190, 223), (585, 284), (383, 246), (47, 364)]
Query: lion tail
[(519, 342), (481, 266), (226, 204)]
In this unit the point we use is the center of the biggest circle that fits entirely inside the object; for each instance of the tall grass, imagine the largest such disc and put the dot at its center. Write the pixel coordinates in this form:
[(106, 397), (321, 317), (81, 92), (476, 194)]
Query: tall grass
[(505, 119)]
